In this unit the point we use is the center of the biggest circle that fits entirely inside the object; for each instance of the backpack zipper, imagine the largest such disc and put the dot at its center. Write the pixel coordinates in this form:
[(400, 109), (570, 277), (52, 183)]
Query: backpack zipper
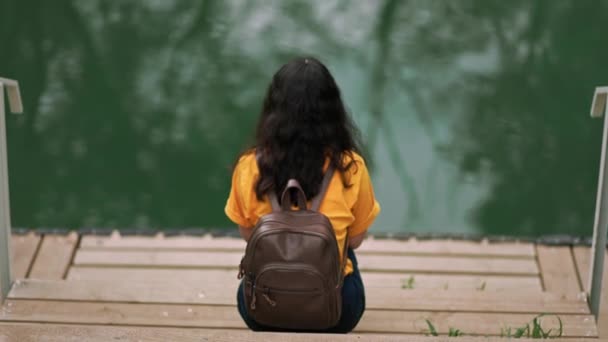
[(289, 266), (241, 273), (252, 305), (266, 296), (266, 291)]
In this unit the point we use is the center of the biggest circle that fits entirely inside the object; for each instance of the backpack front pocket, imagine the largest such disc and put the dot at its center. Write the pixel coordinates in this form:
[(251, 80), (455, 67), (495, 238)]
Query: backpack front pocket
[(293, 297)]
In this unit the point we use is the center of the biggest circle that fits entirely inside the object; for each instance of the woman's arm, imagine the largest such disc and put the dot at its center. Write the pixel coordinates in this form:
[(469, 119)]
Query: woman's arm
[(245, 232), (355, 241), (364, 210)]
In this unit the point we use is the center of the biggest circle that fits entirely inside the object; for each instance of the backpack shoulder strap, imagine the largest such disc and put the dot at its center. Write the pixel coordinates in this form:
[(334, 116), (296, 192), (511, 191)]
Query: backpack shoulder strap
[(272, 196), (274, 201), (316, 202)]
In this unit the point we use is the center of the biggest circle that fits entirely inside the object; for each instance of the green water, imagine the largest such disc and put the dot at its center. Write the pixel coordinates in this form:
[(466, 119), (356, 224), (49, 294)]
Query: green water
[(475, 113)]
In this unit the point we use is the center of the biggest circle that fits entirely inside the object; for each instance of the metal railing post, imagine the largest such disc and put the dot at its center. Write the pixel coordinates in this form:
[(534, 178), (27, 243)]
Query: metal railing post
[(600, 227), (14, 99)]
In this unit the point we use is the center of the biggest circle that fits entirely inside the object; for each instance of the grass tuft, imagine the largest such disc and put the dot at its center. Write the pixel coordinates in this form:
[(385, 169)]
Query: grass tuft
[(432, 330), (451, 333), (455, 332), (534, 329), (409, 283)]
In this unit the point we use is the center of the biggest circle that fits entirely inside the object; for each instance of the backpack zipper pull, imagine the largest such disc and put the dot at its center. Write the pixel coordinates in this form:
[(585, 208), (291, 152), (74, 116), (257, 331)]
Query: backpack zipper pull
[(252, 305), (241, 270), (267, 297)]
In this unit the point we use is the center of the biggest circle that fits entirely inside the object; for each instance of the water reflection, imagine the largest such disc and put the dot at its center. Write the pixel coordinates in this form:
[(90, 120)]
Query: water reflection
[(474, 113)]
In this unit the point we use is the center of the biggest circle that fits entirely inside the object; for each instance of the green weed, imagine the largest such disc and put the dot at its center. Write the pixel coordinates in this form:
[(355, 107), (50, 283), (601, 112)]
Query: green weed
[(454, 332), (451, 333), (534, 330), (432, 329), (409, 283)]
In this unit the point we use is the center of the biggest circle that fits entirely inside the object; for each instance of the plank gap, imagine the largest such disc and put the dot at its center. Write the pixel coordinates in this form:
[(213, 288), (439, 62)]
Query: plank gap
[(540, 269), (34, 257), (577, 268), (72, 257)]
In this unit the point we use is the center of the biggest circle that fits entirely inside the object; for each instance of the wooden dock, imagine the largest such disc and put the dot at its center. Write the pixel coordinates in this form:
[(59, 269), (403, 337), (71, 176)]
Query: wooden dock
[(183, 288)]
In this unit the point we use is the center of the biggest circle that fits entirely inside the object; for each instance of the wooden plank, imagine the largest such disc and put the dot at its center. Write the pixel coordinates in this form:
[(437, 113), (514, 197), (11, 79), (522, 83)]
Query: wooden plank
[(121, 314), (448, 247), (370, 279), (530, 284), (369, 246), (23, 249), (54, 256), (224, 260), (126, 274), (170, 291), (27, 332), (373, 321), (449, 265), (582, 257), (230, 260), (180, 243), (176, 291), (557, 269), (485, 324)]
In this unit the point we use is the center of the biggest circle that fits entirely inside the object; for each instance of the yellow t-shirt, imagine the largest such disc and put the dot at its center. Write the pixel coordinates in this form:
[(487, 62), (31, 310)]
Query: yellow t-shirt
[(353, 208)]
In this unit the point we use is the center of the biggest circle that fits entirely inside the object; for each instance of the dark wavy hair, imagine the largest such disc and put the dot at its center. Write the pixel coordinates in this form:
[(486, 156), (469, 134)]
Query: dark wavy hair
[(303, 122)]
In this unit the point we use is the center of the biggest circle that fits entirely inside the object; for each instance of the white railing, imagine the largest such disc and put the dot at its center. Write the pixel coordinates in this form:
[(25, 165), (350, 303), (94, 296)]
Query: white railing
[(14, 100), (600, 226)]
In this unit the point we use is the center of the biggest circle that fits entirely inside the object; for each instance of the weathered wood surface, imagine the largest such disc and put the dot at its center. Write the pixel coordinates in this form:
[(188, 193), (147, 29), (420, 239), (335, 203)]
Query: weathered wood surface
[(450, 265), (161, 243), (27, 332), (371, 279), (582, 258), (370, 246), (170, 283), (557, 269), (213, 293), (226, 317), (23, 250), (54, 256), (386, 263)]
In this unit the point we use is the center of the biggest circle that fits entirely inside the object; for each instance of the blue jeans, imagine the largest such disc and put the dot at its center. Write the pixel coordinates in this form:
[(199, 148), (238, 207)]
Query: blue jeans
[(353, 303)]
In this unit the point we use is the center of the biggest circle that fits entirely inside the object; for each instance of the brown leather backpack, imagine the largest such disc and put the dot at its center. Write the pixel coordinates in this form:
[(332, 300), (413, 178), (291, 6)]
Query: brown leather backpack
[(293, 274)]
